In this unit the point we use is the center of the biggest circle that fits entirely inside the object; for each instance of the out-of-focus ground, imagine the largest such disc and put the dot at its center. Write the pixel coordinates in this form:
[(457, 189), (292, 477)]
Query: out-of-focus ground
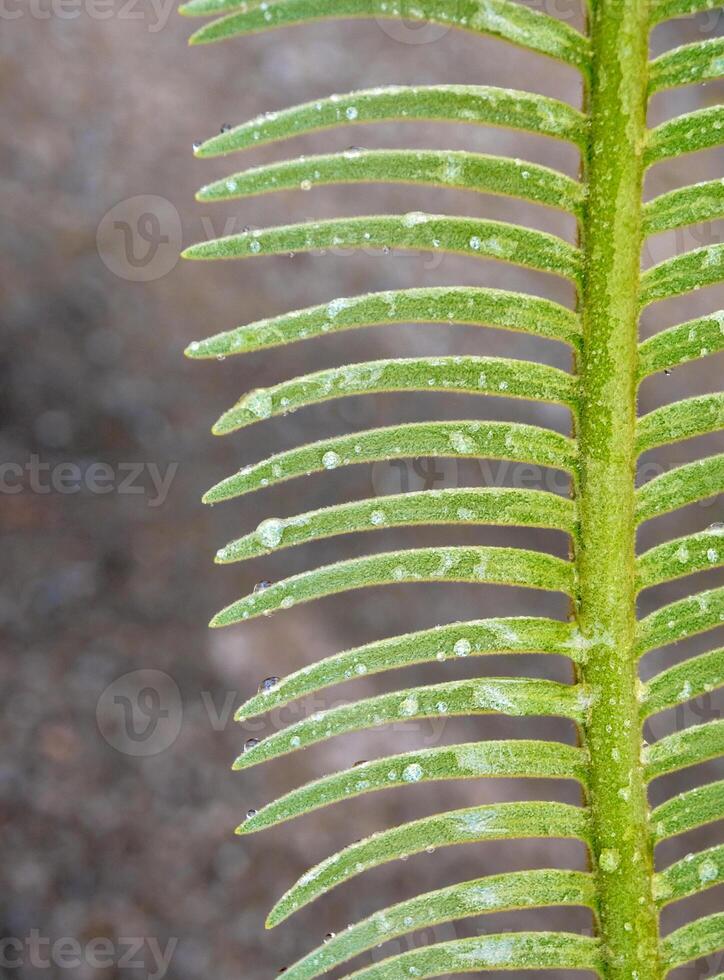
[(117, 819)]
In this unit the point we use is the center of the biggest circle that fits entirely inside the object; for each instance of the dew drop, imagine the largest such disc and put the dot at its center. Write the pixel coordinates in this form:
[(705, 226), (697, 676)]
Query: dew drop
[(707, 871), (250, 814), (412, 773), (609, 859), (225, 127), (268, 684), (329, 936), (462, 648), (250, 743), (261, 586), (330, 460), (270, 532)]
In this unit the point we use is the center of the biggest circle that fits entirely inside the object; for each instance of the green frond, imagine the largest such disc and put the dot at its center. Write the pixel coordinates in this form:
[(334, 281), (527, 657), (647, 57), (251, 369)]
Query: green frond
[(680, 344), (479, 505), (680, 420), (508, 951), (442, 304), (684, 206), (699, 130), (516, 696), (499, 18), (679, 487), (475, 104), (691, 875), (682, 682), (662, 10), (606, 701), (430, 232), (490, 440), (502, 566), (689, 810), (682, 556), (509, 635), (689, 747), (681, 620), (501, 376), (699, 938), (492, 821), (461, 170), (702, 61), (684, 273), (517, 758), (494, 893)]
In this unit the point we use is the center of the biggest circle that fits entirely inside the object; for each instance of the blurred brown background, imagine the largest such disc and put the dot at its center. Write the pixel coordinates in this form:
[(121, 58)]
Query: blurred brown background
[(117, 818)]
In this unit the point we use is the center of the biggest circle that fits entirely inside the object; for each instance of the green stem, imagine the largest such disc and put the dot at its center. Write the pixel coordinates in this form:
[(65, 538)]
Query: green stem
[(605, 553)]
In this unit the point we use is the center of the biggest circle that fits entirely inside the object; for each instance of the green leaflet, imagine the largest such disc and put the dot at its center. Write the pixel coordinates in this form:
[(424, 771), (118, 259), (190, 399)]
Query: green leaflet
[(682, 343), (449, 305), (691, 63), (465, 171), (514, 634), (679, 487), (490, 440), (695, 939), (496, 821), (662, 10), (501, 18), (684, 273), (503, 566), (686, 748), (690, 875), (689, 810), (465, 375), (395, 103), (483, 505), (681, 619), (680, 420), (466, 236), (682, 556), (685, 206), (517, 696), (509, 951), (700, 130), (475, 760), (494, 893), (682, 682)]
